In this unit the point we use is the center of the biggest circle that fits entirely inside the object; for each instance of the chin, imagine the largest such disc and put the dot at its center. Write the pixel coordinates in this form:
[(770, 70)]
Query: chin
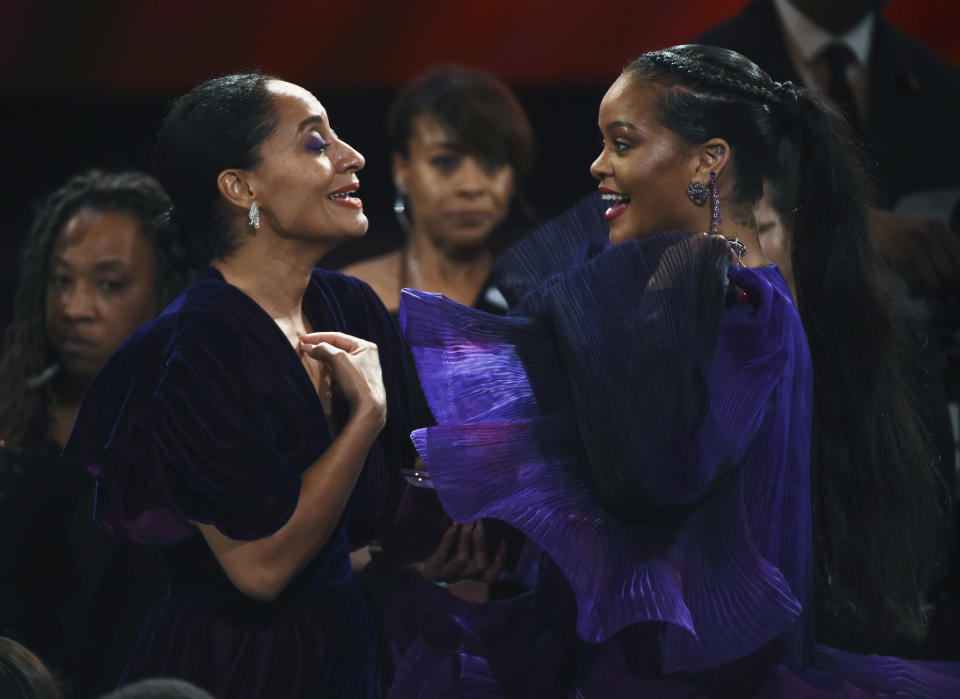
[(361, 228)]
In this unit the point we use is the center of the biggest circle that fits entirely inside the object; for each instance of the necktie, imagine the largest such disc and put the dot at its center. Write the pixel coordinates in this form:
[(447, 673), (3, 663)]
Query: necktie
[(838, 57)]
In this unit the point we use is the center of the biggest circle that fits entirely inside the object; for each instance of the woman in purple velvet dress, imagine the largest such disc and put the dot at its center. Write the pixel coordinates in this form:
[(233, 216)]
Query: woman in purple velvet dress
[(244, 432), (645, 413)]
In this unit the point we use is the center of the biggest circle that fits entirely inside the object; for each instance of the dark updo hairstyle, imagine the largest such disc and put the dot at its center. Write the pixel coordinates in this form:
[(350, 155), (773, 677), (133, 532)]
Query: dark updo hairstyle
[(27, 349), (878, 507), (219, 124), (478, 109)]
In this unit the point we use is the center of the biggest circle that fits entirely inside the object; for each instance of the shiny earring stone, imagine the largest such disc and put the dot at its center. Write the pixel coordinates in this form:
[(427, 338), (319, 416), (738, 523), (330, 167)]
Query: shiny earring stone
[(254, 216), (698, 193)]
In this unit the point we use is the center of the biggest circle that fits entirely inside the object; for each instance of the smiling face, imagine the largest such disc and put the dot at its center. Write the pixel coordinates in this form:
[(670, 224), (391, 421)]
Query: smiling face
[(644, 169), (456, 197), (305, 182), (101, 287)]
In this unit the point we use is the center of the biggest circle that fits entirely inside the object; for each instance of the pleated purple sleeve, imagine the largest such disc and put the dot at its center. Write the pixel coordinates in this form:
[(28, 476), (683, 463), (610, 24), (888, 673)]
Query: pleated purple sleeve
[(635, 357)]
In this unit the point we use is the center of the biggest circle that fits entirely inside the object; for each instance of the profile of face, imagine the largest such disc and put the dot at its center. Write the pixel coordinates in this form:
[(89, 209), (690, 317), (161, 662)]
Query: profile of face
[(644, 169), (306, 182), (101, 286), (456, 197)]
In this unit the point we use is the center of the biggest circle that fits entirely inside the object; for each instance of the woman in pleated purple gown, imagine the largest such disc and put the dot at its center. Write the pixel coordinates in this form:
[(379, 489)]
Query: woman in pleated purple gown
[(244, 433), (702, 463)]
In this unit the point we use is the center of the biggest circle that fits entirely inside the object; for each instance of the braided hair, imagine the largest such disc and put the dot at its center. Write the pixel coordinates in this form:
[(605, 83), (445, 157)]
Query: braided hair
[(27, 349), (877, 503)]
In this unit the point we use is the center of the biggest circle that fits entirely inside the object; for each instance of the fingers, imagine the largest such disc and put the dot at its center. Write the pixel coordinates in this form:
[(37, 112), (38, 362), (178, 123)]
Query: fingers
[(431, 568), (323, 351), (491, 574), (342, 341), (462, 555), (479, 561)]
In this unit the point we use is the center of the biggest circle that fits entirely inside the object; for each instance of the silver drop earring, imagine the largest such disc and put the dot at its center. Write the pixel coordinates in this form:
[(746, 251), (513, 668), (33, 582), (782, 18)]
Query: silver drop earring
[(254, 216), (400, 207)]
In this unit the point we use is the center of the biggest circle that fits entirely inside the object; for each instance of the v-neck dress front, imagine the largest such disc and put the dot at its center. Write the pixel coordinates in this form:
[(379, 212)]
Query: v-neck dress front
[(206, 414)]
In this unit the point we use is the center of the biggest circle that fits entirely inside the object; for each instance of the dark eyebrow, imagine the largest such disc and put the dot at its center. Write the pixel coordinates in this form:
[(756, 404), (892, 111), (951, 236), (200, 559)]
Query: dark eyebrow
[(102, 265), (624, 124), (456, 146), (110, 264), (310, 121)]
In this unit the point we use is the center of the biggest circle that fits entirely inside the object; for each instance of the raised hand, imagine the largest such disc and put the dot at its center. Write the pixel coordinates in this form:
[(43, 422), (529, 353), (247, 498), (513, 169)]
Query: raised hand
[(354, 370)]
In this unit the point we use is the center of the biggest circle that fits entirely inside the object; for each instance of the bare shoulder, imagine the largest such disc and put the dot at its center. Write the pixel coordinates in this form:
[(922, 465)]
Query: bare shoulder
[(382, 273)]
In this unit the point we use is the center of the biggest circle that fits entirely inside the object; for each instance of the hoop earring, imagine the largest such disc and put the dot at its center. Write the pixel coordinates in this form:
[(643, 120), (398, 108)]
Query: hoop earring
[(697, 191), (253, 216), (400, 207)]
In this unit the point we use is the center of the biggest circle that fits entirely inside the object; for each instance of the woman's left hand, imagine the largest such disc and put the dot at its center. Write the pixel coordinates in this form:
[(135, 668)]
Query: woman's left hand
[(462, 555)]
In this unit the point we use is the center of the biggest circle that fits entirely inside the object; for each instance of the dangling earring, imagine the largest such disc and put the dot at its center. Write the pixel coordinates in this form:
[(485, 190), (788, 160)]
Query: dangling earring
[(254, 216), (738, 248), (400, 206), (715, 220), (697, 192)]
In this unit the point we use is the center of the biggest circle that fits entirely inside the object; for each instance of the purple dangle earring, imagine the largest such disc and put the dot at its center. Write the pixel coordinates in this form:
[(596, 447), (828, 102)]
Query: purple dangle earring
[(738, 248), (715, 221)]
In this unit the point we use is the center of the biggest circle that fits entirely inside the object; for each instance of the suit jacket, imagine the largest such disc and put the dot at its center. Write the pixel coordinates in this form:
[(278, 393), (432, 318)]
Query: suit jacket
[(914, 98)]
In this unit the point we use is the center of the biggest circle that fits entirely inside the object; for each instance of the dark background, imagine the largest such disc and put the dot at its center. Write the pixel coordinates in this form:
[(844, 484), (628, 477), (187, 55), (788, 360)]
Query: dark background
[(85, 84)]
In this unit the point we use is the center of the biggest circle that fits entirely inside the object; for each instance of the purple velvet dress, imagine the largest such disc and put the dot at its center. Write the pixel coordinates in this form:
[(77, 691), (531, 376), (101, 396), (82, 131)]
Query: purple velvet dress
[(207, 415), (648, 356)]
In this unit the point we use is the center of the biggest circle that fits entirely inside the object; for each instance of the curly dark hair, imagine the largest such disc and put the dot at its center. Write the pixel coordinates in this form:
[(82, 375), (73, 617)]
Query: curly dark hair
[(879, 509), (27, 350)]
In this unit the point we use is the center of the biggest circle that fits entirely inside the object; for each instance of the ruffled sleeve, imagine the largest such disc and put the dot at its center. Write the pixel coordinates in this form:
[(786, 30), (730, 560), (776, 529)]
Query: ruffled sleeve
[(631, 363), (193, 420)]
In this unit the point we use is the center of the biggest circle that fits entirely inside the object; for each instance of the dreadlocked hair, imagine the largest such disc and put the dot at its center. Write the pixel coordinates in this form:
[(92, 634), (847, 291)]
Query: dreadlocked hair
[(27, 350), (877, 502)]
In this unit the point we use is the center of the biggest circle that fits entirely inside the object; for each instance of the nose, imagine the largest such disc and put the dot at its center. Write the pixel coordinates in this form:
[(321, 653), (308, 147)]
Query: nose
[(600, 167), (471, 177), (77, 302), (349, 159)]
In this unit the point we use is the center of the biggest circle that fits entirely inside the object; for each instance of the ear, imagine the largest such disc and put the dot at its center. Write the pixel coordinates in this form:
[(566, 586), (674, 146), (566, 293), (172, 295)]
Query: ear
[(711, 156), (236, 188), (401, 164)]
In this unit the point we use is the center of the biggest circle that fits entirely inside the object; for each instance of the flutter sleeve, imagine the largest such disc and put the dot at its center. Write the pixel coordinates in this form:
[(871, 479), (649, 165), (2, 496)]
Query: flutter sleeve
[(631, 366), (190, 421)]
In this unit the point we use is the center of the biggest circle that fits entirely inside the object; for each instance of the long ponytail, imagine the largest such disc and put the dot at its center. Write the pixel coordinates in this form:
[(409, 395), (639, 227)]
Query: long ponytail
[(877, 504)]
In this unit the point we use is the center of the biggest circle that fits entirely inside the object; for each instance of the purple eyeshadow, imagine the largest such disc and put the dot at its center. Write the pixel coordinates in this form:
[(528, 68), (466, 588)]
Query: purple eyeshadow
[(315, 142)]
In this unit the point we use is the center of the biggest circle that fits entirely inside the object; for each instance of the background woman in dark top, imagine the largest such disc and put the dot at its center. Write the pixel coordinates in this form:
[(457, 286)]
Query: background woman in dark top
[(92, 272), (461, 146), (245, 431)]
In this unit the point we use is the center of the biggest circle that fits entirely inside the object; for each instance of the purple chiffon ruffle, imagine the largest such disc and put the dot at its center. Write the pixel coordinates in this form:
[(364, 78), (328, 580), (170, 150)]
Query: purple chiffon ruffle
[(630, 356)]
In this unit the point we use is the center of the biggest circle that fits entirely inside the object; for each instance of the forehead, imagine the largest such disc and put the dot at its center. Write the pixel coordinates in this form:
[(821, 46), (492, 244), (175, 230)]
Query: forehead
[(91, 236), (628, 99), (427, 130), (292, 104)]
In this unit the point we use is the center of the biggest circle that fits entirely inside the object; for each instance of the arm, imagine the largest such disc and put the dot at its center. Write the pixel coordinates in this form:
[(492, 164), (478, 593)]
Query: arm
[(263, 567)]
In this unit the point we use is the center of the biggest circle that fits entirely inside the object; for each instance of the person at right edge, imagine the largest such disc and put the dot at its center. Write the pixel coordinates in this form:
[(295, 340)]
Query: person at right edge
[(901, 99), (673, 430)]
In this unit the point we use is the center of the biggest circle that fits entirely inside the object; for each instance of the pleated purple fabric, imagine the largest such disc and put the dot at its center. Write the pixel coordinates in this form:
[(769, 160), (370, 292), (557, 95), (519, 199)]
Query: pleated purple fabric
[(206, 414), (643, 415)]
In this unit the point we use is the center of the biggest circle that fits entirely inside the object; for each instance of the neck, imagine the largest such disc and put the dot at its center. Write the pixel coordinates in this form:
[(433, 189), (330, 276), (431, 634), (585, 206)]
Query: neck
[(63, 413), (742, 225), (274, 275), (456, 272)]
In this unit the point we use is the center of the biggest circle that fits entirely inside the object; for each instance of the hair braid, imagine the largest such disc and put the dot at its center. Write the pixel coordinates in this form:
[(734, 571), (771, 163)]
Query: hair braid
[(877, 506)]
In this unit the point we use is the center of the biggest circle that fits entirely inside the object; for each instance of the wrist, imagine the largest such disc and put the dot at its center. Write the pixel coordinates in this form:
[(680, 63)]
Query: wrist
[(370, 415)]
